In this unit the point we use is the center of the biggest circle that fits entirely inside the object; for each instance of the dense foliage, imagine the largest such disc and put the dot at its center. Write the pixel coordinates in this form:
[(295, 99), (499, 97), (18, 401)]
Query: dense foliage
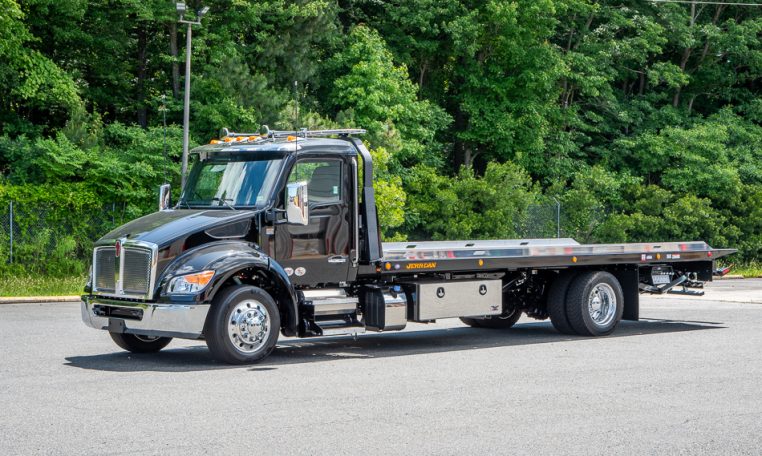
[(642, 119)]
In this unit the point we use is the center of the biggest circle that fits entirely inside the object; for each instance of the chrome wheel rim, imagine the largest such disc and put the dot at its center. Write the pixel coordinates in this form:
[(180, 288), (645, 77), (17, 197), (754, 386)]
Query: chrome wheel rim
[(147, 339), (601, 304), (249, 326)]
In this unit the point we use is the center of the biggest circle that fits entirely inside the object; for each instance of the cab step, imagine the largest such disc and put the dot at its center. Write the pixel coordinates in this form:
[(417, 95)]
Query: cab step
[(331, 312)]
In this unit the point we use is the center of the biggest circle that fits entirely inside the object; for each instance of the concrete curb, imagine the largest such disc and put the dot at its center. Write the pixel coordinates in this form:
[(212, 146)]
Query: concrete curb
[(38, 299)]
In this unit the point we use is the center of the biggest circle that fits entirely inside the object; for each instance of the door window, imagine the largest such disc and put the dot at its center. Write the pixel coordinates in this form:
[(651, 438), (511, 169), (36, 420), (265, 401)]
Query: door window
[(323, 180)]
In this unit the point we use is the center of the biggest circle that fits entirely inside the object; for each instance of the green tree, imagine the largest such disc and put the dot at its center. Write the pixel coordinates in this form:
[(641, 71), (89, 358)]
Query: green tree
[(32, 87), (372, 92)]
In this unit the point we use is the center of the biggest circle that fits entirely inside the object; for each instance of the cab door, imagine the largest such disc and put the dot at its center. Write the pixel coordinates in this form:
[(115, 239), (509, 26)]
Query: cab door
[(319, 251)]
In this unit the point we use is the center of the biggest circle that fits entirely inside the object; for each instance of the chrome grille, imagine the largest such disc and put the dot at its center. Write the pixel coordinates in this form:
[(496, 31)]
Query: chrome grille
[(131, 275), (105, 269), (136, 271)]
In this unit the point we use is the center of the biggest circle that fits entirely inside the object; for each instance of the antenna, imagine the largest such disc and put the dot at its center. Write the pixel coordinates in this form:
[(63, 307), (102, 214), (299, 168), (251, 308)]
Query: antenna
[(296, 106)]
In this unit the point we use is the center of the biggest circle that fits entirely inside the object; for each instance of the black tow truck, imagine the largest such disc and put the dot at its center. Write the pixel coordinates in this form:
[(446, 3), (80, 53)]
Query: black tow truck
[(277, 233)]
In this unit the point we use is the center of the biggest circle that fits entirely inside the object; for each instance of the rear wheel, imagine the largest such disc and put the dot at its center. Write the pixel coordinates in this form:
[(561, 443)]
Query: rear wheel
[(495, 322), (140, 344), (594, 303), (243, 325)]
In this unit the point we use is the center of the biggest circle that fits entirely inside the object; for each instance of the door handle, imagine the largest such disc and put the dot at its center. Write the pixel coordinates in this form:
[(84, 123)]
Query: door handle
[(337, 259)]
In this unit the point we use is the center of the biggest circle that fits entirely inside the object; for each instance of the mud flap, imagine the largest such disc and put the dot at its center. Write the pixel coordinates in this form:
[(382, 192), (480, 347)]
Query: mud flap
[(629, 280)]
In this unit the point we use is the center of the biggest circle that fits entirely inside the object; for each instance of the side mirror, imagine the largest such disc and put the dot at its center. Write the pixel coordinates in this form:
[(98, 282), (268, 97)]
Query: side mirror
[(164, 197), (297, 211)]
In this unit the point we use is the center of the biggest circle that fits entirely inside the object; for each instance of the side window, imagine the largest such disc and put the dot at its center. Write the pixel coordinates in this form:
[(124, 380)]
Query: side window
[(323, 180)]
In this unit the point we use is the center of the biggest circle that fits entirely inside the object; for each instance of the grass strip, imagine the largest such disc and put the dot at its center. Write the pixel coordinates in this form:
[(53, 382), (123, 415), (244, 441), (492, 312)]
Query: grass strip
[(36, 285)]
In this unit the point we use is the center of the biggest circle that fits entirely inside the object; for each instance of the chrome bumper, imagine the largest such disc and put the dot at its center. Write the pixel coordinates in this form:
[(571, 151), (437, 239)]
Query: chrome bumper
[(149, 319)]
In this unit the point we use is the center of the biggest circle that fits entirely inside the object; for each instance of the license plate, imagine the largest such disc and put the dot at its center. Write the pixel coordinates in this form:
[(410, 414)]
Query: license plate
[(660, 279)]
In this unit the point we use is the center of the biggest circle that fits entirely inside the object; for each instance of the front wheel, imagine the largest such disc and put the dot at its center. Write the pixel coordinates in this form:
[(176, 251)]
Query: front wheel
[(140, 344), (243, 325)]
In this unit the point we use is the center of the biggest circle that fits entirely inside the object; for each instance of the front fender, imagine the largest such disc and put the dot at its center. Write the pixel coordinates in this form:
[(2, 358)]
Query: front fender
[(227, 258)]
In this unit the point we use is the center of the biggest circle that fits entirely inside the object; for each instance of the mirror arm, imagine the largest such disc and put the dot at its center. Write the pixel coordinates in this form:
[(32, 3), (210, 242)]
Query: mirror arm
[(276, 216)]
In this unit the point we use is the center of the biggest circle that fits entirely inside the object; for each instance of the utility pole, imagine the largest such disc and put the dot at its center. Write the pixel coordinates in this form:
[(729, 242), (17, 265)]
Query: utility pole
[(181, 8)]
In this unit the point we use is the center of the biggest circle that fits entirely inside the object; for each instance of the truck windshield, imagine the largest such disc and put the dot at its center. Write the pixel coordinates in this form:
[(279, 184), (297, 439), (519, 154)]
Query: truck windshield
[(231, 182)]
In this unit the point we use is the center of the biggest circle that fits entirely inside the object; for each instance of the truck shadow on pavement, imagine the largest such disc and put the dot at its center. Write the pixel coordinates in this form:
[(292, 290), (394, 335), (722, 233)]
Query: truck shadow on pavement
[(372, 345)]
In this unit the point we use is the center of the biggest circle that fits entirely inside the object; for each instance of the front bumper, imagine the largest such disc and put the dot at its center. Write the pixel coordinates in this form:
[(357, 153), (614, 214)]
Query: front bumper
[(145, 318)]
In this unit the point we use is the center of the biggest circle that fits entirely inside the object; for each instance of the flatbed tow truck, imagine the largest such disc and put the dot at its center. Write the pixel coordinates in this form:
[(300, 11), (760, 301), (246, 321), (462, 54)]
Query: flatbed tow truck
[(277, 233)]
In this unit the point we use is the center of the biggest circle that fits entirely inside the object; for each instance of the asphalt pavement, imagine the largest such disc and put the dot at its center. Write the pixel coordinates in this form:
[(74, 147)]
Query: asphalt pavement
[(686, 379)]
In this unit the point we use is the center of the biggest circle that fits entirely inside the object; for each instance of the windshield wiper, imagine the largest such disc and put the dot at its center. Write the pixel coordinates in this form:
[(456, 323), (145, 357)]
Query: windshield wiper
[(224, 201)]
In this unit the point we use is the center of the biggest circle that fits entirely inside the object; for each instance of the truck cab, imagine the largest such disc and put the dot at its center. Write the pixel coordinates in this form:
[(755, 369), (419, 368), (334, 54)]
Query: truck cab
[(277, 233), (276, 210)]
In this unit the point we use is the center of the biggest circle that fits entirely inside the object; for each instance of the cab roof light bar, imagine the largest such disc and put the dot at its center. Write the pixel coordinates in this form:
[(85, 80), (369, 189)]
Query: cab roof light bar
[(303, 133)]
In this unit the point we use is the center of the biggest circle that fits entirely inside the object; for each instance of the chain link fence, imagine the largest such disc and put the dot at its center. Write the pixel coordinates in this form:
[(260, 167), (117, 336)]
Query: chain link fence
[(33, 237), (540, 221)]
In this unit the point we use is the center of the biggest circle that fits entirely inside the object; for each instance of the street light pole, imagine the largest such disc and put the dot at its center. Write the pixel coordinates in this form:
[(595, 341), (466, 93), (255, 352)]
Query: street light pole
[(186, 106), (181, 8)]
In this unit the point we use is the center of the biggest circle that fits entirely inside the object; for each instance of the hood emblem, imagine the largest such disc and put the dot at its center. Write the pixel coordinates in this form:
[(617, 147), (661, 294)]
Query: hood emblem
[(118, 248)]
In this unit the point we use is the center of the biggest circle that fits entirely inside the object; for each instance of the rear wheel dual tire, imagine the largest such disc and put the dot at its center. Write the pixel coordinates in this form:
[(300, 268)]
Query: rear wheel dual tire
[(594, 303), (557, 302), (243, 325), (586, 303), (139, 344)]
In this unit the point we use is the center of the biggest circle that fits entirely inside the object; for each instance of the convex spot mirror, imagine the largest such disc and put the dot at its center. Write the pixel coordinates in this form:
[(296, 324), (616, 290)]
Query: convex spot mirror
[(297, 210)]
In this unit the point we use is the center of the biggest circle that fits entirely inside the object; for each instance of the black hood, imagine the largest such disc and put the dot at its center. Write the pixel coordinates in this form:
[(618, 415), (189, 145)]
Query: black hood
[(162, 228)]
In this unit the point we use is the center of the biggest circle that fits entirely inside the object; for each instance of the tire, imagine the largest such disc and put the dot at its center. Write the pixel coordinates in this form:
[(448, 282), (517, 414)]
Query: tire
[(140, 344), (557, 302), (243, 325), (581, 303), (495, 322)]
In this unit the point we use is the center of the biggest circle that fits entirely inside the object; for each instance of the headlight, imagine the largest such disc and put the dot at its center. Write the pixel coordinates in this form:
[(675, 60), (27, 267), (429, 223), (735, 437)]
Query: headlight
[(190, 283)]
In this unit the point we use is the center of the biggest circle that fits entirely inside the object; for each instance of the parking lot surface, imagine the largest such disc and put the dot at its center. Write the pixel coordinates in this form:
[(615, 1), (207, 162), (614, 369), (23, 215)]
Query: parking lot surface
[(686, 379)]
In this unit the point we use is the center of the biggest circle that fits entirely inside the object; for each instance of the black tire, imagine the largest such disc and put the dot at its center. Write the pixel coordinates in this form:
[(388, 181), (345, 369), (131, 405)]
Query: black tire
[(472, 322), (495, 322), (221, 317), (140, 344), (577, 302), (557, 302)]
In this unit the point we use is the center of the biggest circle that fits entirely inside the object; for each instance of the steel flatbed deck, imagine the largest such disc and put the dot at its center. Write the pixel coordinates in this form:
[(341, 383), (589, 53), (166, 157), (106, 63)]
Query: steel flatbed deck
[(451, 256)]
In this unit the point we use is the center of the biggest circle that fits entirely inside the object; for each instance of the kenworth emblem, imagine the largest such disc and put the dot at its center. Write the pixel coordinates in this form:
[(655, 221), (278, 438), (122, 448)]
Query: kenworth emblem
[(118, 248)]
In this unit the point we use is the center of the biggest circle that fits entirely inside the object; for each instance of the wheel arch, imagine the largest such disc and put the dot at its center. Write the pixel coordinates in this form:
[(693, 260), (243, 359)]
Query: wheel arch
[(239, 262), (270, 277)]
